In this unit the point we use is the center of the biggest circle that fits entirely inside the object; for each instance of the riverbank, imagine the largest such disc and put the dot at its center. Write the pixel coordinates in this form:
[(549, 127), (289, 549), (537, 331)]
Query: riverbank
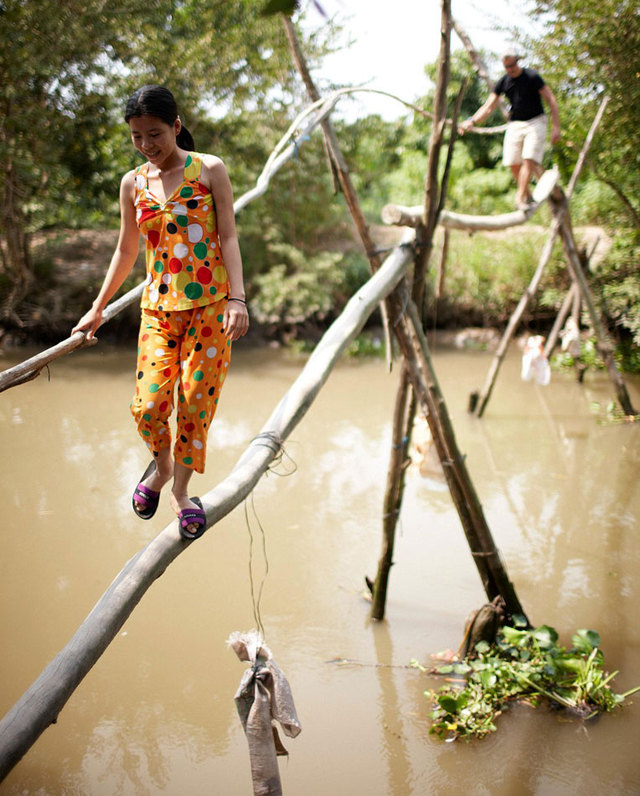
[(481, 283)]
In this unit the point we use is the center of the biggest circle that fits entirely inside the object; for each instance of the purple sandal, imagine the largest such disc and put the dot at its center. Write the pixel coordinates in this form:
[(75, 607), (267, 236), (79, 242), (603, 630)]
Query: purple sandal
[(148, 497), (192, 517)]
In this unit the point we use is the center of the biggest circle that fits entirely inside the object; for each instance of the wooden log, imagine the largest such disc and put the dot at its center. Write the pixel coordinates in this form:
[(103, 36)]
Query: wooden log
[(44, 699), (399, 215)]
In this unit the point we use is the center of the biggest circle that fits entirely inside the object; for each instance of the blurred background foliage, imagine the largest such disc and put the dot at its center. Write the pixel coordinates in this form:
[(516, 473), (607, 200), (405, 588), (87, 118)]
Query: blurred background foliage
[(64, 149)]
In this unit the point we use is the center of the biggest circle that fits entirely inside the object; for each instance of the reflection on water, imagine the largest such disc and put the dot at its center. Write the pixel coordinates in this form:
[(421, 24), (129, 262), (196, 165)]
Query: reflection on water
[(156, 714)]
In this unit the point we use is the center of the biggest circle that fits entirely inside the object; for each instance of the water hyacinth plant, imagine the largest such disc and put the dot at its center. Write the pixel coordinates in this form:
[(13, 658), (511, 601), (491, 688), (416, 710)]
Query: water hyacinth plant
[(526, 665)]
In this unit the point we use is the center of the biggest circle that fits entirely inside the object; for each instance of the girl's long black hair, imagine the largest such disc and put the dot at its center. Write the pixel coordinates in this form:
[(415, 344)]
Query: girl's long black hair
[(158, 101)]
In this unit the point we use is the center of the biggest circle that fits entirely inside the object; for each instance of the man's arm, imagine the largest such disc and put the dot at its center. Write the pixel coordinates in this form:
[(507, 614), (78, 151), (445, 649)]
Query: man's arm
[(548, 97), (481, 114)]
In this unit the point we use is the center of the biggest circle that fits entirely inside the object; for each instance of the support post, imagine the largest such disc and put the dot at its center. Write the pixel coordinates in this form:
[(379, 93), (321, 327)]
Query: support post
[(434, 199), (413, 343), (561, 317), (339, 169), (403, 416), (480, 402), (603, 341)]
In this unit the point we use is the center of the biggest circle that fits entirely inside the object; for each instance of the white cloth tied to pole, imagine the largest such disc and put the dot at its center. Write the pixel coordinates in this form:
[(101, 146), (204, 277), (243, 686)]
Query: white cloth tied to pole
[(534, 363), (263, 696)]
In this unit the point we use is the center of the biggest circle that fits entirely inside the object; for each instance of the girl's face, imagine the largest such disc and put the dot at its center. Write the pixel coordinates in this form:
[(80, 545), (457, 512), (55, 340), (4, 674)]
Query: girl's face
[(155, 139)]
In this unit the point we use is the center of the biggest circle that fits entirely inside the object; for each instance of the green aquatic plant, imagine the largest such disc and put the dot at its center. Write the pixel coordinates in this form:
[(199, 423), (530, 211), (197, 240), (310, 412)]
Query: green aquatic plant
[(523, 665)]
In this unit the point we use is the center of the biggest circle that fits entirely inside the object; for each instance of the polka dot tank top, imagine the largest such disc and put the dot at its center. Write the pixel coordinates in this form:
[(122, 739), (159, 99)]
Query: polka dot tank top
[(184, 262)]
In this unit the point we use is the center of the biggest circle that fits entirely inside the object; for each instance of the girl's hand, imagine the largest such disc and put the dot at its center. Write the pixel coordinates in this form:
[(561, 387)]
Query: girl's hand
[(89, 323), (236, 319)]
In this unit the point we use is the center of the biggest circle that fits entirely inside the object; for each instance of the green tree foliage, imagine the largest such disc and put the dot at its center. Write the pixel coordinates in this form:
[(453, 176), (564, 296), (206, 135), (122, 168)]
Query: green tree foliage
[(50, 54), (590, 48), (65, 70)]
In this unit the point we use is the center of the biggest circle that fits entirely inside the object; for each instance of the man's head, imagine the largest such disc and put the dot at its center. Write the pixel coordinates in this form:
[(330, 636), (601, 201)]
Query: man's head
[(511, 61)]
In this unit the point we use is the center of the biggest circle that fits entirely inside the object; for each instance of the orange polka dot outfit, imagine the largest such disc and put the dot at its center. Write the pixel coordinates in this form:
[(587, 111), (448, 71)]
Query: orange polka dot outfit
[(181, 338)]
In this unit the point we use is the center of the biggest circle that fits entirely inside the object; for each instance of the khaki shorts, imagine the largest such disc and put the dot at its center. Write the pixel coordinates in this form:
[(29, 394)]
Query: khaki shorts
[(525, 141)]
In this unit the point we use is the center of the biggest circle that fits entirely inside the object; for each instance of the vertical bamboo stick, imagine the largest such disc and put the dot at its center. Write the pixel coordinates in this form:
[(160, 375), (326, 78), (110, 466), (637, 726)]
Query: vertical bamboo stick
[(403, 416), (424, 237), (603, 341), (515, 318), (561, 317), (340, 170), (486, 556)]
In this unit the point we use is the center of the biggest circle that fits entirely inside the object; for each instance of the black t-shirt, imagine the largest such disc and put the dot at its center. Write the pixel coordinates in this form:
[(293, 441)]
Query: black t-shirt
[(523, 93)]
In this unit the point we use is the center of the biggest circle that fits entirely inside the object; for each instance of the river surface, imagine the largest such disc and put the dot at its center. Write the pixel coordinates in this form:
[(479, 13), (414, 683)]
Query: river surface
[(156, 714)]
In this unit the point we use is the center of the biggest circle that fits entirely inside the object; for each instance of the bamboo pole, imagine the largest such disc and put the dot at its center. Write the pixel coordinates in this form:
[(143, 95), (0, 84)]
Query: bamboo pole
[(340, 170), (403, 416), (442, 265), (44, 699), (477, 62), (405, 407), (604, 343), (482, 400), (572, 303), (561, 317), (413, 343)]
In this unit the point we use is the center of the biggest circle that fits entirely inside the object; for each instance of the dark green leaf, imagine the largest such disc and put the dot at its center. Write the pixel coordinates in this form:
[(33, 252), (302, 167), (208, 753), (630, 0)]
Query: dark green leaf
[(448, 703), (545, 636), (585, 640), (287, 7)]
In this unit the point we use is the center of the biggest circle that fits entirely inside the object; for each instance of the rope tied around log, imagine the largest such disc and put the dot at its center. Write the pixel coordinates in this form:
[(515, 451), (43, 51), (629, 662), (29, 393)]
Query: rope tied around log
[(274, 442), (413, 245)]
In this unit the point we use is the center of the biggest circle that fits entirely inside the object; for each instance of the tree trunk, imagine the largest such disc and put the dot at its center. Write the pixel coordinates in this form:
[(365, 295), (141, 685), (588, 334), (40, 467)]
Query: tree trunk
[(16, 256)]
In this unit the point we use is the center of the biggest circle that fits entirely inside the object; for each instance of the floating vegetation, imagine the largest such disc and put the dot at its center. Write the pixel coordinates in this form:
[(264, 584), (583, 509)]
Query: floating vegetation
[(523, 665), (611, 413)]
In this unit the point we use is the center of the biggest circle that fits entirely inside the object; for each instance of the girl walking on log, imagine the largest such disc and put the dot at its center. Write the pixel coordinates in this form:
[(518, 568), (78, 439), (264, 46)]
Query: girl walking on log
[(193, 304)]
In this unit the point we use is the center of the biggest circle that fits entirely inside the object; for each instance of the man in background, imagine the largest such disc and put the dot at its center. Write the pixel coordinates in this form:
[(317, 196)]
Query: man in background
[(526, 132)]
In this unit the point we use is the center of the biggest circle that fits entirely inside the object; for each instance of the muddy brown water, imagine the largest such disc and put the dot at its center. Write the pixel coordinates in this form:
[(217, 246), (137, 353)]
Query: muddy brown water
[(156, 714)]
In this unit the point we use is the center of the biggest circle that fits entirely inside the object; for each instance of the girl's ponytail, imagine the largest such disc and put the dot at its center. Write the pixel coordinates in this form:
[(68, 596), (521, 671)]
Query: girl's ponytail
[(185, 140)]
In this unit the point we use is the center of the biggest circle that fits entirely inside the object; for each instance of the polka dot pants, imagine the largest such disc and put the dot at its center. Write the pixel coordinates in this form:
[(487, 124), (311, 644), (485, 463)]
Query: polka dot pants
[(187, 346)]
